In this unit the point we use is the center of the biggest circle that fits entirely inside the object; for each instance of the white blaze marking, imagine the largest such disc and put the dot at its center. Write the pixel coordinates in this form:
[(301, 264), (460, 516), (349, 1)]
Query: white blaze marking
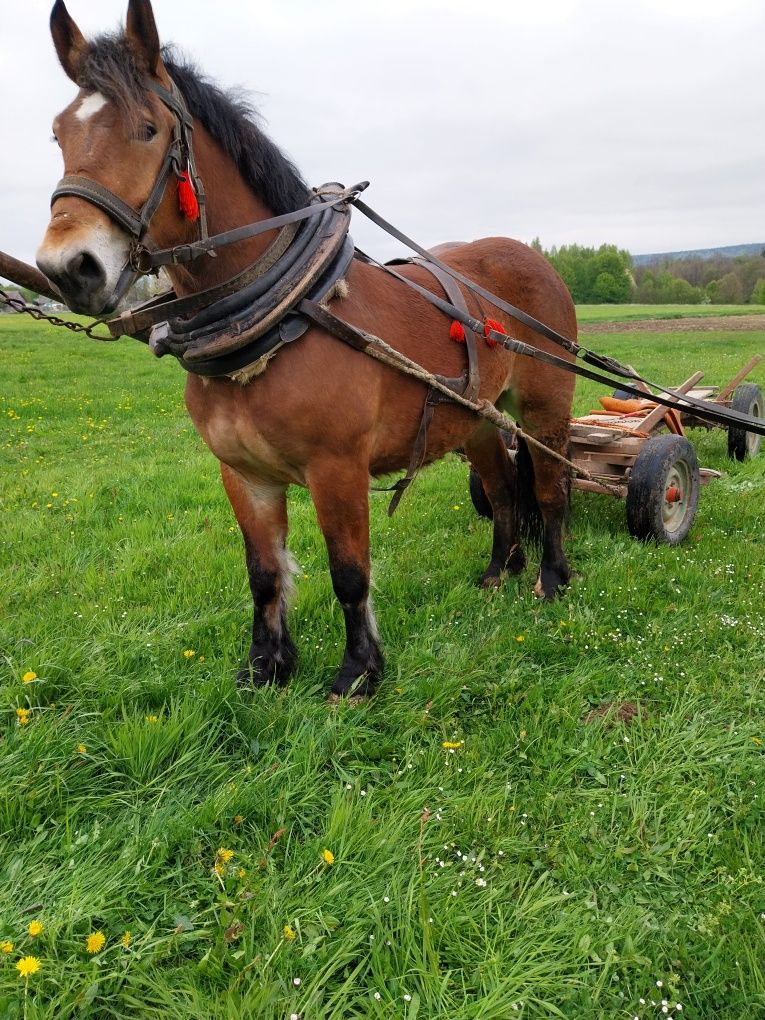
[(90, 105)]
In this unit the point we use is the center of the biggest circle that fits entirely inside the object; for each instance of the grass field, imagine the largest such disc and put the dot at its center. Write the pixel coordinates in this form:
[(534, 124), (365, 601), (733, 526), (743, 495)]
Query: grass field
[(621, 313), (481, 841)]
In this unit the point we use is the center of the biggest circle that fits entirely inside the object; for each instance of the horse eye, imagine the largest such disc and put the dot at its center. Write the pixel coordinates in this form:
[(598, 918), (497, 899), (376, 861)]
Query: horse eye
[(149, 131), (53, 138)]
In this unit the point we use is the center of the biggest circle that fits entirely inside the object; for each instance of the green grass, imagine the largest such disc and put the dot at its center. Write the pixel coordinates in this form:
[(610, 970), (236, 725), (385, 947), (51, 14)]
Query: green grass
[(622, 313), (565, 866)]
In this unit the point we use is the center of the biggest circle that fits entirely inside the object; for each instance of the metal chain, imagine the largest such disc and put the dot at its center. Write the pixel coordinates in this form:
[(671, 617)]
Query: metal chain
[(19, 305)]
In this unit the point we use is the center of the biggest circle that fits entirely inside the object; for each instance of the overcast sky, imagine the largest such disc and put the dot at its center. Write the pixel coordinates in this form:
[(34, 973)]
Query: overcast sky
[(640, 124)]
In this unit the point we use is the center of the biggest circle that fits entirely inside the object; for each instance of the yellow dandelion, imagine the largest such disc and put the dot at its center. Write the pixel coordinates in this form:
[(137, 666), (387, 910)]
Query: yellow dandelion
[(82, 749), (452, 745), (456, 506), (289, 933), (522, 734), (521, 637), (224, 855), (328, 857), (95, 942), (238, 819), (152, 718), (126, 939), (189, 653), (219, 869), (6, 947), (242, 873), (29, 676), (28, 965), (35, 928), (23, 715)]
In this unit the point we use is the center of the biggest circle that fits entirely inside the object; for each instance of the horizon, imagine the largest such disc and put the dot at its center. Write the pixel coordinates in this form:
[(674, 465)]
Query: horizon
[(462, 128)]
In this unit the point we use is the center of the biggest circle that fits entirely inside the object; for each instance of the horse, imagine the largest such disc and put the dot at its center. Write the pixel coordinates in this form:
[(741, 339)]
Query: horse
[(321, 415)]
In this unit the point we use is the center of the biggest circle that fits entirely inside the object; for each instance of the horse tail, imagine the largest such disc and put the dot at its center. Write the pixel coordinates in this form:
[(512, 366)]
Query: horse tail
[(528, 517)]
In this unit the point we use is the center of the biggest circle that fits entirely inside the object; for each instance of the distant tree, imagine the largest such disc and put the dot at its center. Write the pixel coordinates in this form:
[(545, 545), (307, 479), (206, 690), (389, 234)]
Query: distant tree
[(758, 293), (682, 293), (646, 289), (731, 292), (536, 244)]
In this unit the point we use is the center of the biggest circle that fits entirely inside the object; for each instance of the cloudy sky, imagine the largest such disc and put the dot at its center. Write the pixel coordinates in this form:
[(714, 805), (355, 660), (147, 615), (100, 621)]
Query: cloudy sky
[(640, 124)]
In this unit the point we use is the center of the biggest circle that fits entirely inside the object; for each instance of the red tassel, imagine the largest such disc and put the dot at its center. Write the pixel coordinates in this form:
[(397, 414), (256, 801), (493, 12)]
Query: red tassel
[(457, 332), (488, 326), (187, 198)]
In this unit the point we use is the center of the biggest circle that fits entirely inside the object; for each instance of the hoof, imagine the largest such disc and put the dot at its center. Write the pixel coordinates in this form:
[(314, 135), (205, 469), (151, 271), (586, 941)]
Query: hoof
[(550, 587), (359, 679), (353, 701), (491, 581), (254, 676), (495, 574), (267, 671)]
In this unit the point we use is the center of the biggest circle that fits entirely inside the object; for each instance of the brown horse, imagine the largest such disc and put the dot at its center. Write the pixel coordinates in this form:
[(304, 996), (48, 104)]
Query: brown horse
[(321, 415)]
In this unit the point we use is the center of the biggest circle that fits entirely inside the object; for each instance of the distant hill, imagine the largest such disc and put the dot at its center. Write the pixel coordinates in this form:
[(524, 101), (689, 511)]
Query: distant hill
[(728, 252)]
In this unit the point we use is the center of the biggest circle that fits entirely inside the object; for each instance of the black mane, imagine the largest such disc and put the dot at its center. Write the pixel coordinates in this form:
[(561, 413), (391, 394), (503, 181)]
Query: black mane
[(109, 66)]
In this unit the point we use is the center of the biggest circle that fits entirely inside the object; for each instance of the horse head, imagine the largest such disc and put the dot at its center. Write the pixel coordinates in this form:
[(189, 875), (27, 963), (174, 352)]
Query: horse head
[(115, 137)]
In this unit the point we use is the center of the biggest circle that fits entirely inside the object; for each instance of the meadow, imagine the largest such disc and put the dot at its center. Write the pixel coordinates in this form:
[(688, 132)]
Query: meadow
[(549, 810), (627, 312)]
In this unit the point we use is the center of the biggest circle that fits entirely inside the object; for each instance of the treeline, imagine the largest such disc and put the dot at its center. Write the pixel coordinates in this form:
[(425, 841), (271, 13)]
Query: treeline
[(606, 275), (717, 281)]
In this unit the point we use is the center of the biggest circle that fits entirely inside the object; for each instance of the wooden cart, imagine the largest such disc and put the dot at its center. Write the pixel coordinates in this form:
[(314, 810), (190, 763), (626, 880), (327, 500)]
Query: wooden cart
[(639, 452)]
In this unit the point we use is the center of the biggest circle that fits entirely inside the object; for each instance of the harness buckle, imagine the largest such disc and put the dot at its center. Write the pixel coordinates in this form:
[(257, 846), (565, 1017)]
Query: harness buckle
[(139, 258), (181, 253)]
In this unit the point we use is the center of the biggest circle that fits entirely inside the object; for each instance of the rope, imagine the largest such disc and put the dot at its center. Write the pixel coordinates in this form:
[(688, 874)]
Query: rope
[(388, 355)]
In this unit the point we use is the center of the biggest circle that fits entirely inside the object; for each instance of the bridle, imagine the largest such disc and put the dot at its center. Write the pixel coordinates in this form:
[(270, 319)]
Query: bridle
[(179, 159)]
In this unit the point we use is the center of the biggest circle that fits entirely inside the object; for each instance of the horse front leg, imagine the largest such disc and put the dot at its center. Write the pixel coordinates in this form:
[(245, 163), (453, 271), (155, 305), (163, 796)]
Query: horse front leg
[(340, 493), (261, 511)]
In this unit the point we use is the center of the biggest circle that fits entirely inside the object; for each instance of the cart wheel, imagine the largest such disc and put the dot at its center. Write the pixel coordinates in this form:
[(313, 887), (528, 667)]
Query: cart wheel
[(663, 490), (479, 497), (747, 398)]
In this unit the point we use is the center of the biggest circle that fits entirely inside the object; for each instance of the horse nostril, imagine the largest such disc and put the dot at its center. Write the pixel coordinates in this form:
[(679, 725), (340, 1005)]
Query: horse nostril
[(87, 271)]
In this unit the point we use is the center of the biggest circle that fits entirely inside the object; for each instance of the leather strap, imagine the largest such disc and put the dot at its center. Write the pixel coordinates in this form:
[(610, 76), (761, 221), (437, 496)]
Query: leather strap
[(183, 253), (455, 295)]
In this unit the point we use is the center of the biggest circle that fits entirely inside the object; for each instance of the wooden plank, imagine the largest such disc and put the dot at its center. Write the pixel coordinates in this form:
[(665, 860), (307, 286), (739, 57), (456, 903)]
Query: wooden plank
[(726, 391), (657, 415)]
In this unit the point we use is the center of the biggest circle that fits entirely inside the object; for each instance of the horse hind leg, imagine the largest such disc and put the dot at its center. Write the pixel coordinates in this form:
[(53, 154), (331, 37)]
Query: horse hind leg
[(261, 511), (339, 490), (550, 481), (488, 454)]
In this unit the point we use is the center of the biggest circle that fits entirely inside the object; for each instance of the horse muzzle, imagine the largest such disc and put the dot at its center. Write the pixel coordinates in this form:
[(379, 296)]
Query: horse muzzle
[(81, 276)]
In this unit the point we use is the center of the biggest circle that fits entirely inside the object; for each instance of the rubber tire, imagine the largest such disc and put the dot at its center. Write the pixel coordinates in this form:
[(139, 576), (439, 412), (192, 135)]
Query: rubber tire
[(747, 398), (661, 458), (479, 497)]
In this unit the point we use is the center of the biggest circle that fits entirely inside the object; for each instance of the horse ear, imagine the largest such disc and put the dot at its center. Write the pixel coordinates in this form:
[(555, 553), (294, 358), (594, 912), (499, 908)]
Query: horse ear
[(141, 32), (67, 38)]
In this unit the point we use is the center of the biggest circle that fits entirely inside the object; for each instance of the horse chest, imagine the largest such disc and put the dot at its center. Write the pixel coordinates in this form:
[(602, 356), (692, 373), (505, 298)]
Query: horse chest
[(233, 435)]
